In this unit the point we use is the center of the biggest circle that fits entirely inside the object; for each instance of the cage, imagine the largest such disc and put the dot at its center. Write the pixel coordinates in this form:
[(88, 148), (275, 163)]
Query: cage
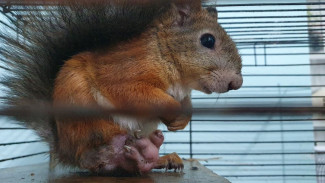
[(272, 129)]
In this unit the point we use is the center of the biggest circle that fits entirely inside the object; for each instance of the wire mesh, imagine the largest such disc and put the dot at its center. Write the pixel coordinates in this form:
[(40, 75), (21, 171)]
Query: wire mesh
[(269, 130)]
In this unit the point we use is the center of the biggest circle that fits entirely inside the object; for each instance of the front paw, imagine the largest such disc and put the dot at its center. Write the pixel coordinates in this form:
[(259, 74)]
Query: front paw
[(179, 124), (170, 113), (180, 119)]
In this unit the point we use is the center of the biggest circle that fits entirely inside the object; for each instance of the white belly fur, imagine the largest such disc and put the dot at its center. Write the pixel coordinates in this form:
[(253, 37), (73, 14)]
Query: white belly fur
[(178, 92), (147, 126)]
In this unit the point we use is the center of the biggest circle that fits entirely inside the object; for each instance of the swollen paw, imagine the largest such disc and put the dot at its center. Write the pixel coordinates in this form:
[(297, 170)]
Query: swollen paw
[(132, 154), (142, 152), (157, 138)]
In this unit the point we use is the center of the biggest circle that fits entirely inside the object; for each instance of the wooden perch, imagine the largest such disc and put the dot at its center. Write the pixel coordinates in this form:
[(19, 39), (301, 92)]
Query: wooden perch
[(193, 172)]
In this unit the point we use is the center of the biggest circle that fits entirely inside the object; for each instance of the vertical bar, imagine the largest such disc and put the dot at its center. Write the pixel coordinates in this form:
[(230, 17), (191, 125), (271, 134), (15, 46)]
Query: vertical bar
[(17, 29), (255, 57), (265, 62), (282, 137), (191, 148), (322, 25), (52, 162)]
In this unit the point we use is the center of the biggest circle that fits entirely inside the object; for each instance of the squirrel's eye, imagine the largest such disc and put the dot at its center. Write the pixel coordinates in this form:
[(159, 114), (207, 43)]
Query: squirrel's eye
[(208, 40)]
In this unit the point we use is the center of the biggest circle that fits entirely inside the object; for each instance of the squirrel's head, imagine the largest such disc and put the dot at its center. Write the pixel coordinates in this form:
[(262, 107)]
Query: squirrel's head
[(200, 49)]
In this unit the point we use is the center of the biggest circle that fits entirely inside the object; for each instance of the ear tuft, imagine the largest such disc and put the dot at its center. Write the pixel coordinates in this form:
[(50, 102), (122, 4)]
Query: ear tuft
[(189, 5), (212, 11), (185, 8)]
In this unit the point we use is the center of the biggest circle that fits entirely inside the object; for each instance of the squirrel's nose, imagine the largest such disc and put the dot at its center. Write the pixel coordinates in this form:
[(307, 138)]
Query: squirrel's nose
[(235, 83)]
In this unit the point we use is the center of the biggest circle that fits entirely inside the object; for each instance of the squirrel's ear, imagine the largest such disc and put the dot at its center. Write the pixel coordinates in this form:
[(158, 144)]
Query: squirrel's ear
[(188, 5), (184, 8), (213, 12)]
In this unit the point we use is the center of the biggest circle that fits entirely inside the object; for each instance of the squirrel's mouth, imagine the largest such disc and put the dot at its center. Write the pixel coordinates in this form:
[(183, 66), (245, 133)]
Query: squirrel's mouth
[(206, 90), (215, 87)]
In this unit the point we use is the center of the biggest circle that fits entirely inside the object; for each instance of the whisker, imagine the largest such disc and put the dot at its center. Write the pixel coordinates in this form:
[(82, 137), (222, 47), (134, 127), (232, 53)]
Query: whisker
[(218, 96)]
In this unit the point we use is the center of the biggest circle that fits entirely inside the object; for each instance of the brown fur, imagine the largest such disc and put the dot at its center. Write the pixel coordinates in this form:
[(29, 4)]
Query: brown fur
[(155, 68), (136, 74)]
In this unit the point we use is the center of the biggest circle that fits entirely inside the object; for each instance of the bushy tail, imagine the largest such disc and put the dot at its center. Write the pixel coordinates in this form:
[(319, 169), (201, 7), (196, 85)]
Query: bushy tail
[(35, 45)]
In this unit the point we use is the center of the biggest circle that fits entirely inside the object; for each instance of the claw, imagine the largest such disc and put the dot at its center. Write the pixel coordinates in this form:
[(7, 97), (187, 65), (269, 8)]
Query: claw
[(137, 134), (127, 148)]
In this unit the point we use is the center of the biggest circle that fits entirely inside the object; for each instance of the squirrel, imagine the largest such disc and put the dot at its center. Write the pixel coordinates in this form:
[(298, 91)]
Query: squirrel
[(116, 54)]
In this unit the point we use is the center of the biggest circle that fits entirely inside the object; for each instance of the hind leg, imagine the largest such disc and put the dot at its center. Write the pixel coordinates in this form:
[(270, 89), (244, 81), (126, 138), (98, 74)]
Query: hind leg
[(125, 154), (170, 161)]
